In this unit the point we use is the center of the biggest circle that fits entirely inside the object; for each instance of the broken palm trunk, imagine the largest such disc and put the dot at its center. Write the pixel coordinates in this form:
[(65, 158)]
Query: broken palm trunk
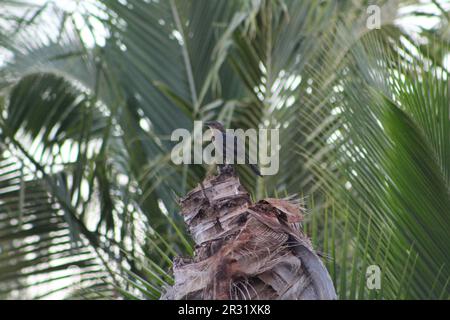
[(246, 250)]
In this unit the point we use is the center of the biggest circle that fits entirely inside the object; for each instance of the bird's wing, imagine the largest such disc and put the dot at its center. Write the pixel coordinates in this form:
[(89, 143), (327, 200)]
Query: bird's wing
[(240, 152)]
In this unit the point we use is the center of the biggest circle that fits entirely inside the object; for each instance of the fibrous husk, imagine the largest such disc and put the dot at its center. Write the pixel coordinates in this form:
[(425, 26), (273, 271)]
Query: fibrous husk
[(246, 250)]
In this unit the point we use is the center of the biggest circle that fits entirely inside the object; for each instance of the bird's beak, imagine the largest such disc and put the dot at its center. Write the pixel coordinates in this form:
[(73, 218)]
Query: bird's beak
[(207, 123)]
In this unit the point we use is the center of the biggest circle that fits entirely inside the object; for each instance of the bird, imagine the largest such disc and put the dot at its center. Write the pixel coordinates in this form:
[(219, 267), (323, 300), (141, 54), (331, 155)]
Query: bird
[(219, 127)]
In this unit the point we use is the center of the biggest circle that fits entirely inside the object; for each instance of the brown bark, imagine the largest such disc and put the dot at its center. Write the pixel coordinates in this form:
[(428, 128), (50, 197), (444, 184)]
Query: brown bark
[(246, 250)]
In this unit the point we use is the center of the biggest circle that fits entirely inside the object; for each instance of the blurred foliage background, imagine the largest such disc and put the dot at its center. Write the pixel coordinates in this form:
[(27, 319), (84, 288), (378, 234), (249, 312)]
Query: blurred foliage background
[(90, 92)]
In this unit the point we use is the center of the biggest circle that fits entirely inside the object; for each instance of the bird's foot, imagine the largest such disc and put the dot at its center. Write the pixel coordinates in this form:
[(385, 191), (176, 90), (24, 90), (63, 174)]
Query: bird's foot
[(227, 169)]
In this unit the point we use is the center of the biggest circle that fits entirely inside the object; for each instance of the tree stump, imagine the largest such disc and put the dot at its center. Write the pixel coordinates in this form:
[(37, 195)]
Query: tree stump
[(246, 250)]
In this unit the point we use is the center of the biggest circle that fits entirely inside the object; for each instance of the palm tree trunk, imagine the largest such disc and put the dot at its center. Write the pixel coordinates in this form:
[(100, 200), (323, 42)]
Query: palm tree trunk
[(246, 250)]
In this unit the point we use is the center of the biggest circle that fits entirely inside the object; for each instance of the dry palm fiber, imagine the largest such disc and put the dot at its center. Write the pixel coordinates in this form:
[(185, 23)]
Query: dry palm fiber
[(246, 250)]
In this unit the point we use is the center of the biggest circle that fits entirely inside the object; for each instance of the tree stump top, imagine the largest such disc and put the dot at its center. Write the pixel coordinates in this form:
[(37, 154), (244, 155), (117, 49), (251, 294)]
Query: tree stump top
[(246, 250)]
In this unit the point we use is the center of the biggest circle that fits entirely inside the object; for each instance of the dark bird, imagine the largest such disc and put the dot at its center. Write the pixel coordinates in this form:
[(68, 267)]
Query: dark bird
[(219, 127)]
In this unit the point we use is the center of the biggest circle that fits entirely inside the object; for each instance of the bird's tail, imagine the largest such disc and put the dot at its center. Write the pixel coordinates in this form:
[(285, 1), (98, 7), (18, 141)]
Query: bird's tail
[(255, 169)]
